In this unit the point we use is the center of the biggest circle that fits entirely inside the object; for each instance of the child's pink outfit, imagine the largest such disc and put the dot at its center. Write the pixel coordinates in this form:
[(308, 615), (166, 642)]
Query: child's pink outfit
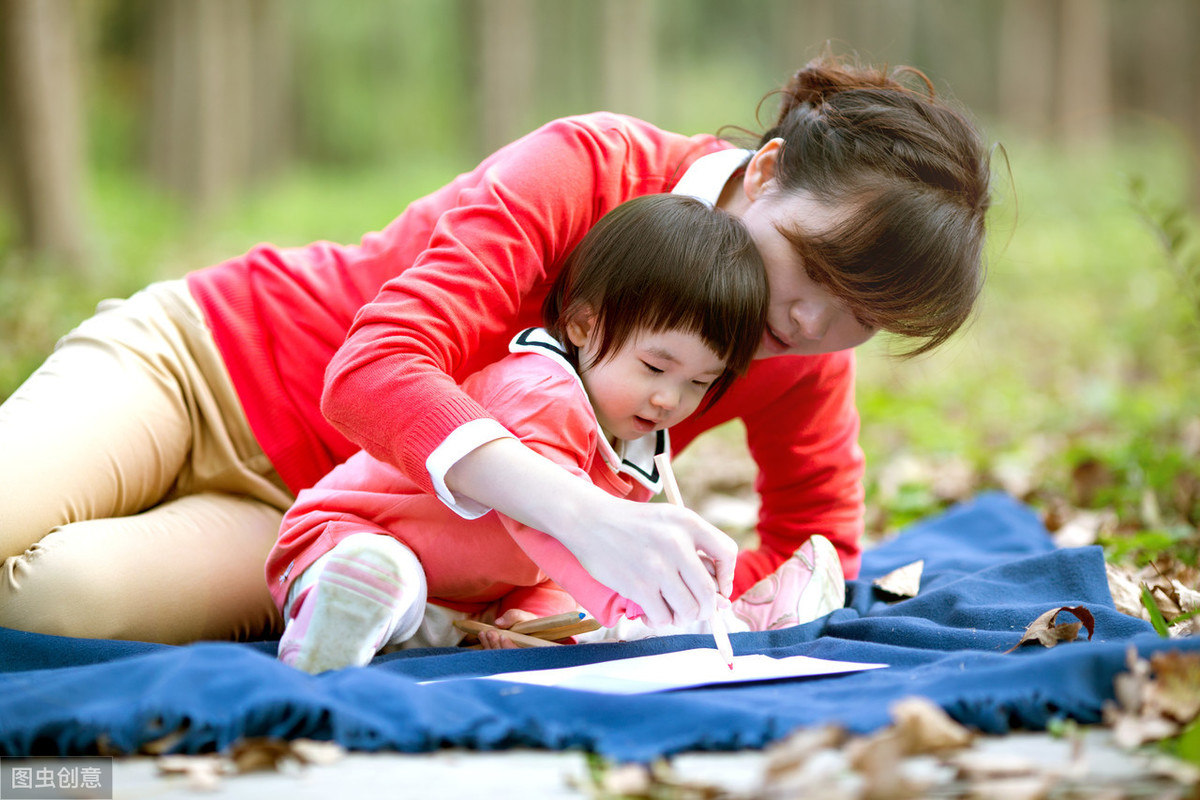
[(467, 563)]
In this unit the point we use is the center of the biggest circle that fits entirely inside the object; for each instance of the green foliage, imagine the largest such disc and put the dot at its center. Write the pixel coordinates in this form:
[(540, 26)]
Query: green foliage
[(1079, 368), (1186, 746), (1156, 617)]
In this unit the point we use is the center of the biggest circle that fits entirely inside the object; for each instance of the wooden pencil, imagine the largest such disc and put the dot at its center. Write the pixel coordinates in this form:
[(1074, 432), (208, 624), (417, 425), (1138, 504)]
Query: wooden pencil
[(720, 635)]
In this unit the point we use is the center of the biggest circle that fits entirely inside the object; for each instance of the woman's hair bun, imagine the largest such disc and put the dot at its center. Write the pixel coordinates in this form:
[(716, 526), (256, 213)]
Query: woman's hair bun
[(814, 84)]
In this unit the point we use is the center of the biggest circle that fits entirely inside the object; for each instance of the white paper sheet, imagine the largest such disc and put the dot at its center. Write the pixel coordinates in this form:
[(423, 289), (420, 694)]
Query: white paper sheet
[(680, 670)]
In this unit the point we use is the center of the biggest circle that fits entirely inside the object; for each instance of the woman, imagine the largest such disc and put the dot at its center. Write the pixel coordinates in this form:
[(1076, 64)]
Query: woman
[(149, 461)]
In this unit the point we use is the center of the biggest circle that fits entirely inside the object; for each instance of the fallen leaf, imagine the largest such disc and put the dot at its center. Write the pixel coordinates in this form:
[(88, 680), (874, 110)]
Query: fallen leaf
[(1175, 689), (1187, 599), (903, 582), (261, 754), (310, 751), (1156, 699), (926, 728), (628, 780), (1126, 594), (1048, 633), (791, 754), (203, 772)]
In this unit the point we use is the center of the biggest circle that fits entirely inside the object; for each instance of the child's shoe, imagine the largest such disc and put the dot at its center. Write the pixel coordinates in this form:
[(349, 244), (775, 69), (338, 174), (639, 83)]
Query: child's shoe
[(348, 614), (808, 585)]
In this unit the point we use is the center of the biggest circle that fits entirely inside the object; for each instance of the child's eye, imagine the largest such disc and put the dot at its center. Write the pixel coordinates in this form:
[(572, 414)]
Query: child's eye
[(703, 384), (652, 368)]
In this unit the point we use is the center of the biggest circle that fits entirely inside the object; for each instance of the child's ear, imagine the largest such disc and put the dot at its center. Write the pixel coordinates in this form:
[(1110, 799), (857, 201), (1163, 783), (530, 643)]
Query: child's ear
[(580, 327)]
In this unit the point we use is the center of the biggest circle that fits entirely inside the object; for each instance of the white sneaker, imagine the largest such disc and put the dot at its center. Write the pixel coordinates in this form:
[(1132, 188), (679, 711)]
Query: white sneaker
[(808, 585), (347, 615)]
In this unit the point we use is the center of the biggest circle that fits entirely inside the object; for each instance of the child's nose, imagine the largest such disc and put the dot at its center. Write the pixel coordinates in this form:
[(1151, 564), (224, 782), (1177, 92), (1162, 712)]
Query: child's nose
[(665, 398)]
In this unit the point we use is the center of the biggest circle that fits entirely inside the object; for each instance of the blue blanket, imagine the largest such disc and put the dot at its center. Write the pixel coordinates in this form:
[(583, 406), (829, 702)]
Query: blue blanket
[(990, 569)]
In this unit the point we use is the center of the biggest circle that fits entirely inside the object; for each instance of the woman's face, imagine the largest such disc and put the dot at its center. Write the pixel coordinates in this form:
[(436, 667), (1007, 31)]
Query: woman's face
[(803, 318)]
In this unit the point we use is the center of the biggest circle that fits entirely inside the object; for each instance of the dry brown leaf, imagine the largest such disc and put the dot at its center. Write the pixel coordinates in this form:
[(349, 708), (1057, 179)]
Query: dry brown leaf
[(310, 751), (903, 582), (1155, 699), (164, 744), (791, 754), (926, 728), (1175, 689), (1125, 591), (1087, 480), (632, 780), (203, 772), (1187, 599), (1048, 633), (877, 759), (1083, 527), (261, 754)]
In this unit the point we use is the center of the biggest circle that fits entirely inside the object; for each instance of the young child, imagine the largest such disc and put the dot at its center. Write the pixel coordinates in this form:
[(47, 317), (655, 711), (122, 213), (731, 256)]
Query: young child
[(659, 307)]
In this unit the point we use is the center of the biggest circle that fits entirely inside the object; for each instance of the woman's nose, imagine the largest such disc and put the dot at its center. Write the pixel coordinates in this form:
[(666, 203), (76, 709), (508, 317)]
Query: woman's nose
[(813, 318)]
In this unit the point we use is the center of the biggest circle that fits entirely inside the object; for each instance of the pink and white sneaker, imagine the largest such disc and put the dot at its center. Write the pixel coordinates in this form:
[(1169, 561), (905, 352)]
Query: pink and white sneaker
[(348, 614), (808, 585)]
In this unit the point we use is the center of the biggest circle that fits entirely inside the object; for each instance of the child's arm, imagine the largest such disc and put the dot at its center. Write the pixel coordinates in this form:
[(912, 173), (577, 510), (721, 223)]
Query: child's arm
[(550, 413)]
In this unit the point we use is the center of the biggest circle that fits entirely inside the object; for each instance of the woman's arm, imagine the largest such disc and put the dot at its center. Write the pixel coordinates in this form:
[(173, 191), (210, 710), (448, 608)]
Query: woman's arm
[(647, 552)]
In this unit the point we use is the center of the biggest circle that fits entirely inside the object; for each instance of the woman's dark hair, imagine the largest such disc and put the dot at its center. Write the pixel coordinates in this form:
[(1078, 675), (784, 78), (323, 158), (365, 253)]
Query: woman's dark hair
[(912, 174), (665, 262)]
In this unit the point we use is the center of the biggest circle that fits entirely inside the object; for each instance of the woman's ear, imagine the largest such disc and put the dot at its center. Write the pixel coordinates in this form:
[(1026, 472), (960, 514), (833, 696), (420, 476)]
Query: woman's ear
[(580, 326), (760, 171)]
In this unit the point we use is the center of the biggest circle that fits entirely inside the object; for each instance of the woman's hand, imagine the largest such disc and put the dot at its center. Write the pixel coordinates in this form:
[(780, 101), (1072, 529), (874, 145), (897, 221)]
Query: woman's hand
[(649, 553)]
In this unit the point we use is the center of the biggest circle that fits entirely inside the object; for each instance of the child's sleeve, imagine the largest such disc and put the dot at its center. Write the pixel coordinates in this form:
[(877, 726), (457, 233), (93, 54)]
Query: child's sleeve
[(553, 418)]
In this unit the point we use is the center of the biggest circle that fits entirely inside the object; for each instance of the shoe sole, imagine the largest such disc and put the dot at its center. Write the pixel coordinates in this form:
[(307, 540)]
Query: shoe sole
[(357, 595), (829, 587)]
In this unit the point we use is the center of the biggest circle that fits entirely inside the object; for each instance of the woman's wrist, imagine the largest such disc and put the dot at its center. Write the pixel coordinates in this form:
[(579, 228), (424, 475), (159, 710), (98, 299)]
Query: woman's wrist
[(507, 476)]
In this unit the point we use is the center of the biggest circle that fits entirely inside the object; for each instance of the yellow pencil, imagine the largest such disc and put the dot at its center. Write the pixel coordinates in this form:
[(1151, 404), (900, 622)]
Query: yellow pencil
[(720, 634)]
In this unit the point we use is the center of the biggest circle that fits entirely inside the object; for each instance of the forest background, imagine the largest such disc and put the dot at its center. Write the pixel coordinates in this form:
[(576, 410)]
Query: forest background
[(143, 138)]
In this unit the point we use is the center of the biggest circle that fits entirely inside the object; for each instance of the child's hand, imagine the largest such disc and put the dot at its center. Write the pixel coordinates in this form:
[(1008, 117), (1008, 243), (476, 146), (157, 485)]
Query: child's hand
[(493, 640)]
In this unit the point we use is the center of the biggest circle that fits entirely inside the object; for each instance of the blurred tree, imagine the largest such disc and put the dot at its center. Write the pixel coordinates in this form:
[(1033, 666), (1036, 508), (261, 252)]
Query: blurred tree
[(503, 37), (40, 65), (628, 61), (218, 96), (1084, 96), (1026, 69)]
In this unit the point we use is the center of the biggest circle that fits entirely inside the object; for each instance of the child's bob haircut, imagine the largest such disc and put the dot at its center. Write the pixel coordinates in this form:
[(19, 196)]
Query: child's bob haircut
[(665, 262)]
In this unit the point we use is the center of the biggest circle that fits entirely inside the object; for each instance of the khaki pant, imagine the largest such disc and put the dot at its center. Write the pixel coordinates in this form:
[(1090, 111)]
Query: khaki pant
[(135, 502)]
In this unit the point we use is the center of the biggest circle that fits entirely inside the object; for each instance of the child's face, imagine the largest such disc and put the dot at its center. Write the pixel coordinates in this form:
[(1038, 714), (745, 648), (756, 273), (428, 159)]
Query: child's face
[(651, 382)]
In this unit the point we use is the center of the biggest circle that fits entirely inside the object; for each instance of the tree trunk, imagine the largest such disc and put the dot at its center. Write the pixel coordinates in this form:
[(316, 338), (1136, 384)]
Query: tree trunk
[(628, 57), (1026, 91), (1084, 71), (39, 50), (218, 97), (503, 32)]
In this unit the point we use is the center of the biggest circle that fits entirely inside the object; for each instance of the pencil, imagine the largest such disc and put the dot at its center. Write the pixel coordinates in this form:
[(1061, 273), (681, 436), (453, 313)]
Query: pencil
[(720, 634), (520, 639), (545, 623)]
